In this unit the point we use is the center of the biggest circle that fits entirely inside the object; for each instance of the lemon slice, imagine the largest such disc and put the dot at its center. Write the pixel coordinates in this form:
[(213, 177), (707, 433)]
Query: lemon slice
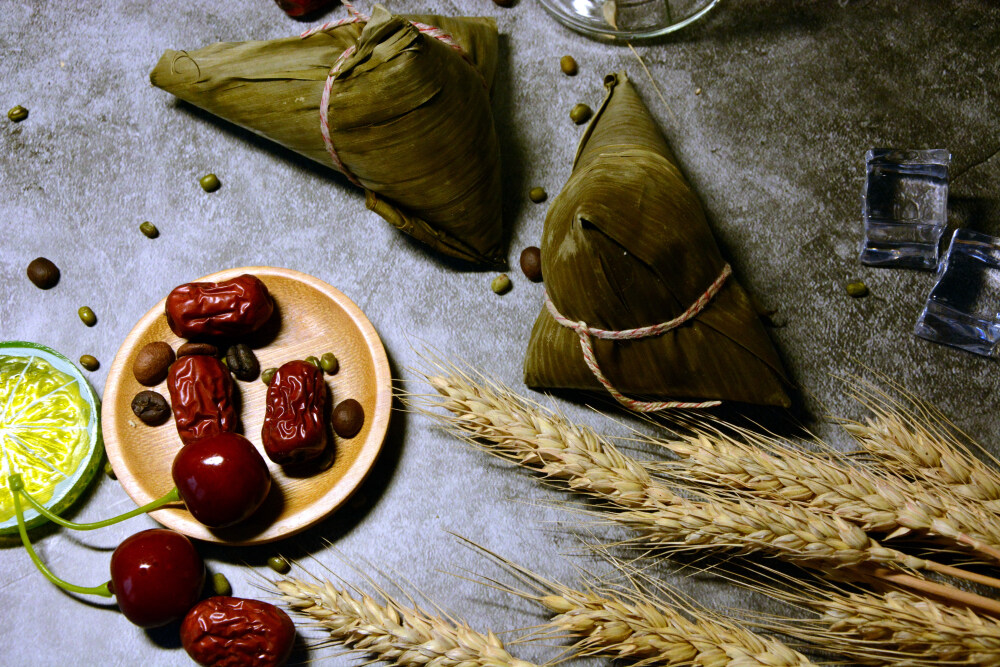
[(49, 429)]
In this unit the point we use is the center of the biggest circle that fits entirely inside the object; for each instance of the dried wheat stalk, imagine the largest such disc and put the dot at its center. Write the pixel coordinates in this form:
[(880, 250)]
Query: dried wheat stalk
[(895, 627), (392, 632), (913, 439), (632, 626), (912, 450), (493, 417), (764, 466)]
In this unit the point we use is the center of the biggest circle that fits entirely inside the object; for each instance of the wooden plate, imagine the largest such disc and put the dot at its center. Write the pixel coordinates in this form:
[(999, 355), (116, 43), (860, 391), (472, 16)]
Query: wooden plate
[(312, 318)]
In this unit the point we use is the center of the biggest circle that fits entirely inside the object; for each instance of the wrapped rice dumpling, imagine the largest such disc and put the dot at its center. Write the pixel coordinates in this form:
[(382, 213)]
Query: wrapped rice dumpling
[(640, 302), (408, 115)]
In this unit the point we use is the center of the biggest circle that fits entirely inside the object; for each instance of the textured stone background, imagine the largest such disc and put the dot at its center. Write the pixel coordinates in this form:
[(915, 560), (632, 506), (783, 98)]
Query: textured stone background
[(792, 94)]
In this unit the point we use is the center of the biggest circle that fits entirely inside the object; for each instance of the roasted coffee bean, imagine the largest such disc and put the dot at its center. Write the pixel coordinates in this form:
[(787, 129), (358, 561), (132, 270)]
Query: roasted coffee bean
[(150, 407), (43, 273), (242, 362), (192, 349), (151, 364), (531, 263), (348, 418)]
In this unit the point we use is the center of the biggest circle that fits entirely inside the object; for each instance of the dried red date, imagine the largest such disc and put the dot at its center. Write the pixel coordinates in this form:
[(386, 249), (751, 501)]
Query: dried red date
[(231, 632), (294, 421), (201, 395), (234, 307)]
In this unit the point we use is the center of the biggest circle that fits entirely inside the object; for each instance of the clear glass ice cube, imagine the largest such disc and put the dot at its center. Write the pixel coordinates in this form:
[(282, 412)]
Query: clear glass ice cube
[(905, 207), (963, 309)]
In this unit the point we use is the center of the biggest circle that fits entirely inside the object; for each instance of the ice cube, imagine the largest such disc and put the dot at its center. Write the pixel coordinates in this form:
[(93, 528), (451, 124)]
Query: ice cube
[(905, 207), (963, 309)]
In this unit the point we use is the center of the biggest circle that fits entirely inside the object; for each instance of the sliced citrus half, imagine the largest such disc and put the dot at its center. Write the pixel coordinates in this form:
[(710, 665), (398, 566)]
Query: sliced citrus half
[(50, 430)]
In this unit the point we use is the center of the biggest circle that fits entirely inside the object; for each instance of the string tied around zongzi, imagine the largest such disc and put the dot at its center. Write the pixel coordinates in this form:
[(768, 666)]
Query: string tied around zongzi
[(357, 17), (586, 334)]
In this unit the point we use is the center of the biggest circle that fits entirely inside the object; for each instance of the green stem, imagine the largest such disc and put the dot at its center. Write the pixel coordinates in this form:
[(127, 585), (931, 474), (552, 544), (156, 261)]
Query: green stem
[(101, 590), (16, 484)]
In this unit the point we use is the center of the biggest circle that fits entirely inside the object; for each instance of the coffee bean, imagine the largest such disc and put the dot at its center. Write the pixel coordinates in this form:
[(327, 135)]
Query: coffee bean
[(150, 407), (192, 349), (151, 364), (531, 264), (348, 418), (43, 273)]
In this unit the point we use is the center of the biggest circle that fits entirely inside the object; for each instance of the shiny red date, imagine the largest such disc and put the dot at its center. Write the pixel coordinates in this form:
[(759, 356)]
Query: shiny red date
[(235, 632), (294, 420), (234, 307), (201, 395)]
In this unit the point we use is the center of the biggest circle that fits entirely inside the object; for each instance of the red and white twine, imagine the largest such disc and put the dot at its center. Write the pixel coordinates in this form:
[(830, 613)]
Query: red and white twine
[(586, 333), (358, 17)]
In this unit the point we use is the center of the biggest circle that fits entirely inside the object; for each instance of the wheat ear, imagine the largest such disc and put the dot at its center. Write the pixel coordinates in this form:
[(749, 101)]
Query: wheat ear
[(632, 626), (507, 425), (764, 466), (895, 627), (393, 632), (915, 440)]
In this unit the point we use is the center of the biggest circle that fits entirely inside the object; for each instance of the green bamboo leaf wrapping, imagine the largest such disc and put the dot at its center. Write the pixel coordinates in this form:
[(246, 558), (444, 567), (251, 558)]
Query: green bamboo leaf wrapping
[(409, 116), (626, 245)]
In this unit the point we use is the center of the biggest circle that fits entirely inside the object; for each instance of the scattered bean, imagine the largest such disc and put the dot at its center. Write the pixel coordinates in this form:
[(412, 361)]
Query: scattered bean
[(17, 114), (313, 360), (152, 362), (501, 284), (90, 362), (279, 564), (504, 3), (329, 363), (537, 195), (221, 585), (267, 375), (580, 114), (348, 418), (43, 273), (87, 316), (150, 407), (192, 349), (109, 471), (242, 362), (568, 65), (210, 182), (531, 263), (149, 230), (857, 289)]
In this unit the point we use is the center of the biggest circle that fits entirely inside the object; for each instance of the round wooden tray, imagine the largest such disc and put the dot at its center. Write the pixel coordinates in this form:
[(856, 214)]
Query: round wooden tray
[(312, 318)]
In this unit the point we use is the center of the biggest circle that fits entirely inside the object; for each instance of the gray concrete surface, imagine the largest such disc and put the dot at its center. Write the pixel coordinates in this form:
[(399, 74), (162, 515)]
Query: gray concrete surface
[(791, 96)]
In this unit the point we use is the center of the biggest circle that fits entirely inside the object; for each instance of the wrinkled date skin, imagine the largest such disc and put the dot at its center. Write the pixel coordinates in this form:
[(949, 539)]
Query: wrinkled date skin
[(234, 632), (201, 394), (233, 308), (294, 421)]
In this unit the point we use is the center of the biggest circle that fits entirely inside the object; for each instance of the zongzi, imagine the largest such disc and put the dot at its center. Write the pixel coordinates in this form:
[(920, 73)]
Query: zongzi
[(639, 300), (400, 105)]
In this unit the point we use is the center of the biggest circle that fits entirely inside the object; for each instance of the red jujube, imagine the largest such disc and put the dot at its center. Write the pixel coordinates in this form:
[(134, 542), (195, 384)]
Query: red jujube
[(235, 307), (294, 422), (201, 395)]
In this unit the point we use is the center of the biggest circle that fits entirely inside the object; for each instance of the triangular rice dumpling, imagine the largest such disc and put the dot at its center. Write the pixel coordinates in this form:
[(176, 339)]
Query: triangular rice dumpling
[(626, 245), (409, 116)]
